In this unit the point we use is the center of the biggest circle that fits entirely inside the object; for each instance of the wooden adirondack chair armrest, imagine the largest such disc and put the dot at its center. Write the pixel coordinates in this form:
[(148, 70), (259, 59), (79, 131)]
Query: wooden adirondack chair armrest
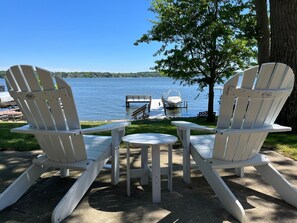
[(272, 128), (27, 129), (192, 126), (104, 128)]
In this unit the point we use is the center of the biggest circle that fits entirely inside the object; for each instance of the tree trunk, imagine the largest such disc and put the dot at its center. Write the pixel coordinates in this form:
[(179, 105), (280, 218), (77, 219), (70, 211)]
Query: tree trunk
[(284, 49), (263, 31), (210, 116)]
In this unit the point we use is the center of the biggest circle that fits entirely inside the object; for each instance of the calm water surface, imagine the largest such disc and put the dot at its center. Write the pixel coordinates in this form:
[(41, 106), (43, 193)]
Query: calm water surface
[(104, 98)]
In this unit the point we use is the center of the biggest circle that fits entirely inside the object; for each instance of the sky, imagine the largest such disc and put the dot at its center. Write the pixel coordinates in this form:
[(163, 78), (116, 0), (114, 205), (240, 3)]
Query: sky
[(76, 35)]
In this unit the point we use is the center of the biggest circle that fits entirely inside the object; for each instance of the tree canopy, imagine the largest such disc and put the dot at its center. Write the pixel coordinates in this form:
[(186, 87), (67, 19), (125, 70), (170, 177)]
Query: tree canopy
[(203, 42)]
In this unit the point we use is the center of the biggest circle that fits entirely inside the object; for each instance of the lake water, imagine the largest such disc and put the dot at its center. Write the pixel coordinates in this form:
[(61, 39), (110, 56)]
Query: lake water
[(104, 98)]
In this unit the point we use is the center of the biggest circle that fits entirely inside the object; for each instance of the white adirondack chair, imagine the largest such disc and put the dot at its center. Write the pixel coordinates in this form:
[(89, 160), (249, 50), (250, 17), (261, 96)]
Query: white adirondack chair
[(50, 111), (249, 107)]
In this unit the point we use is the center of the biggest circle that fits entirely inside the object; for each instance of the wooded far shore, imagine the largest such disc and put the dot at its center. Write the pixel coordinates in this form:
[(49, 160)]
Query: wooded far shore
[(99, 74)]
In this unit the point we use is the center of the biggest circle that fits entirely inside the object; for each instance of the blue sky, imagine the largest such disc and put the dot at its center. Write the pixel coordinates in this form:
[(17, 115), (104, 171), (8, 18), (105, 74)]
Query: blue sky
[(76, 35)]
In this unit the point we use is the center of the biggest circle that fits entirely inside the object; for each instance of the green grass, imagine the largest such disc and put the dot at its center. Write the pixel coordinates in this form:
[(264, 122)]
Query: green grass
[(284, 143), (160, 126), (152, 126), (14, 141)]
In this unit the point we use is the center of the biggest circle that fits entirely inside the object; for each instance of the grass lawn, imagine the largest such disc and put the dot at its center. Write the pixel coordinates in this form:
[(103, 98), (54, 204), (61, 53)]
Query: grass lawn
[(284, 143)]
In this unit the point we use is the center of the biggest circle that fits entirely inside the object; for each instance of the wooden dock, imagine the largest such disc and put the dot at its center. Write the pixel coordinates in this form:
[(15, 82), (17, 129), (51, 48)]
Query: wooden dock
[(156, 108), (139, 99)]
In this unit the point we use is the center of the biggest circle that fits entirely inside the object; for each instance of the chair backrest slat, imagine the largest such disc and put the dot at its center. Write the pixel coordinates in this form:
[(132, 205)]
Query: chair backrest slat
[(233, 142), (71, 117), (266, 107), (20, 81), (288, 82), (224, 118), (17, 83), (242, 112), (69, 108), (274, 82), (13, 77), (44, 120), (54, 104), (45, 107)]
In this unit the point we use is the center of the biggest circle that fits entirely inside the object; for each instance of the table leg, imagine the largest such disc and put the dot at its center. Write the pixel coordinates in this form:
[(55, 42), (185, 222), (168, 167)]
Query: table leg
[(144, 158), (128, 170), (170, 168), (156, 184)]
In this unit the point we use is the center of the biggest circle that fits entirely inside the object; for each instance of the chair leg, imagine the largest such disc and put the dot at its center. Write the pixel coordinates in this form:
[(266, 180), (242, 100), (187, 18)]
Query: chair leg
[(20, 185), (77, 191), (115, 166), (185, 137), (239, 172), (64, 173), (115, 155), (144, 163), (225, 195), (286, 190)]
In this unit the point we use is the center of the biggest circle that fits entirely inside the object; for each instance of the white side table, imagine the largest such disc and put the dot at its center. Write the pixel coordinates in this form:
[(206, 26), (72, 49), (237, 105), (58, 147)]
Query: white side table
[(155, 140)]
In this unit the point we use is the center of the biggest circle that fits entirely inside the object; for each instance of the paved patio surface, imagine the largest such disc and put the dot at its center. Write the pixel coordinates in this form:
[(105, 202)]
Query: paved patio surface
[(109, 204)]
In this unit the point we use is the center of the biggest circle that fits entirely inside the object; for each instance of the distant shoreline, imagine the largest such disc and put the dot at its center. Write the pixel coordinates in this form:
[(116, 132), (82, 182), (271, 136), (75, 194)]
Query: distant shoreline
[(100, 74)]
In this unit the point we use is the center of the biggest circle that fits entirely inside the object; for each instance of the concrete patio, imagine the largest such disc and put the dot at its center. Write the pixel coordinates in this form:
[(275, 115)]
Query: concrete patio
[(109, 204)]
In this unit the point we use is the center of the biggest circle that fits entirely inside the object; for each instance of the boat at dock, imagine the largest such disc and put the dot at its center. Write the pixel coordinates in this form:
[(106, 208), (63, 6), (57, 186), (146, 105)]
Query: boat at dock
[(172, 99), (6, 100)]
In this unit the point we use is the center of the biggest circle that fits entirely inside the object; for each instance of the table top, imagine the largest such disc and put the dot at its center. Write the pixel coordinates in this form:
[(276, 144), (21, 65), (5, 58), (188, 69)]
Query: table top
[(150, 139)]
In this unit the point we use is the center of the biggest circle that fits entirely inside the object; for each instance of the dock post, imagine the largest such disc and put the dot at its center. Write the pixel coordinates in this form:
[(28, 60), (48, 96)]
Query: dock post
[(164, 106), (149, 105)]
